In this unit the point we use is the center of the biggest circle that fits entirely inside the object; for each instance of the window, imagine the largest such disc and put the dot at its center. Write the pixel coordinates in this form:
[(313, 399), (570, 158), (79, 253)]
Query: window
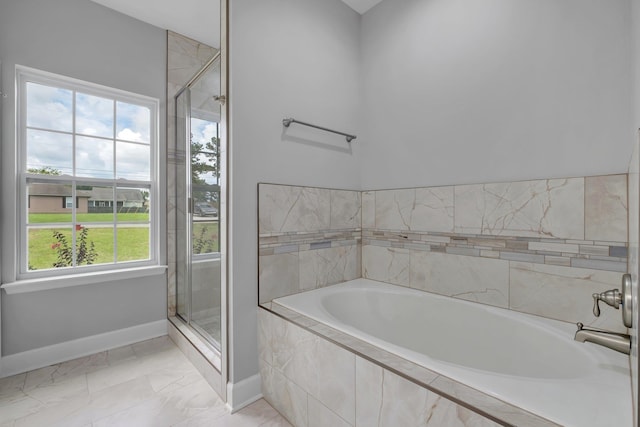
[(93, 148)]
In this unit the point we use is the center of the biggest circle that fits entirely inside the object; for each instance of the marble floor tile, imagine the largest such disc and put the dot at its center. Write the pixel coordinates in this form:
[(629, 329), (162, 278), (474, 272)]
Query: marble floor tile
[(20, 406), (153, 346), (150, 383), (258, 414), (66, 370), (9, 385), (59, 391)]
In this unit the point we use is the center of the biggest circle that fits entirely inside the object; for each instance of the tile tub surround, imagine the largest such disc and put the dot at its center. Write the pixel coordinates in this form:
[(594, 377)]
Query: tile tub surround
[(540, 247), (308, 238), (317, 376)]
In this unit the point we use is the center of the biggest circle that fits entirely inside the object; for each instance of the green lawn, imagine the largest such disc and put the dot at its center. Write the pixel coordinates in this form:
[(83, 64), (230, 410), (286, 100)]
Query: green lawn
[(42, 218), (133, 245), (133, 242)]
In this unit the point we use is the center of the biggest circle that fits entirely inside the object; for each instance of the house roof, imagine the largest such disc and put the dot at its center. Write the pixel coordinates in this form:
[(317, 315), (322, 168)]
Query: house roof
[(61, 190), (128, 194), (96, 193)]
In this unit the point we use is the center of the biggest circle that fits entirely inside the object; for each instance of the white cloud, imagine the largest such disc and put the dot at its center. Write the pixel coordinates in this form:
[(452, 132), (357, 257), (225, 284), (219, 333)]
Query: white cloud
[(203, 130), (129, 135), (133, 118), (94, 115), (210, 131), (133, 161), (49, 149), (94, 157), (49, 107)]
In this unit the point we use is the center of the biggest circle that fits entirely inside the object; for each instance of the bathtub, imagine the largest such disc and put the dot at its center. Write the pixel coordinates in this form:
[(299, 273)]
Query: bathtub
[(528, 361)]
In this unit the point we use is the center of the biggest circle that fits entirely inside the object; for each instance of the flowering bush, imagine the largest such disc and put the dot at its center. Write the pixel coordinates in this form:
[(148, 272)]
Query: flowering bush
[(203, 244), (85, 253)]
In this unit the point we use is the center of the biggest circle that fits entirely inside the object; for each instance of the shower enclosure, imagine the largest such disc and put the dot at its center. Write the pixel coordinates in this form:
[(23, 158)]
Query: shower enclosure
[(199, 201)]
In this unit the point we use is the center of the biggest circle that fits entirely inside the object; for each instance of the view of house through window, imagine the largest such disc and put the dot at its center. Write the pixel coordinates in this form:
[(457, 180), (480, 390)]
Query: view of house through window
[(87, 168)]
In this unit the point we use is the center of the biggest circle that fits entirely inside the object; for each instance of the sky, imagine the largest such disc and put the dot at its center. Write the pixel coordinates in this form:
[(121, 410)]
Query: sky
[(51, 109)]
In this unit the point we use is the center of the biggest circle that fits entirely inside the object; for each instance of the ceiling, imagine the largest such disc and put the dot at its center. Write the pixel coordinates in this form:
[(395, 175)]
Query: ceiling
[(197, 19), (361, 6)]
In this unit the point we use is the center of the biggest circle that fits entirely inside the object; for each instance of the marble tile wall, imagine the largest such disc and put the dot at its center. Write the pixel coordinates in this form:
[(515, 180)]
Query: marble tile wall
[(315, 383), (308, 237), (540, 247), (579, 222), (185, 57)]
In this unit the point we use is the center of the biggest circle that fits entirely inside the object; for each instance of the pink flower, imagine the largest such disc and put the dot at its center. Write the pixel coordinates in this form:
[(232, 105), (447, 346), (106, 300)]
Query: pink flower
[(55, 246)]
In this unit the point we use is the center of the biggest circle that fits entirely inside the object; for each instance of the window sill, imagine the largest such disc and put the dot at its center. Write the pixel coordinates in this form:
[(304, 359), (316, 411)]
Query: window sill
[(57, 282)]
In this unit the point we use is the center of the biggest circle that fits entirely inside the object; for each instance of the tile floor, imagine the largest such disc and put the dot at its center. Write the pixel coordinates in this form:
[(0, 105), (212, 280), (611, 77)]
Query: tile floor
[(150, 383)]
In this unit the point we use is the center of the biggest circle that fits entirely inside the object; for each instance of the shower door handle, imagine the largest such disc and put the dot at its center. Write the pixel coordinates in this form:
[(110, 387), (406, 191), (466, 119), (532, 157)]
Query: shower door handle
[(221, 99)]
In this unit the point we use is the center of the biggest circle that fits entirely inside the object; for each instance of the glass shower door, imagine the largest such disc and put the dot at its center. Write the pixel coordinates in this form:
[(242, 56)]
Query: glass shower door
[(198, 279)]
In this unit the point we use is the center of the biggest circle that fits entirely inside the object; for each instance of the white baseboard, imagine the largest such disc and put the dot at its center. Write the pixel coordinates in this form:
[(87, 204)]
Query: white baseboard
[(243, 393), (69, 350)]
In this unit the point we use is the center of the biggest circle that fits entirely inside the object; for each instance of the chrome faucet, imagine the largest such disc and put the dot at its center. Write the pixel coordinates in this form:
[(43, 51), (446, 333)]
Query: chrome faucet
[(612, 297), (613, 340)]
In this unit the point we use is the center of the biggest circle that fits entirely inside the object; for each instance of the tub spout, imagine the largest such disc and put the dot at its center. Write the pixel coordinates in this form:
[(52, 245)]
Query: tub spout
[(613, 340)]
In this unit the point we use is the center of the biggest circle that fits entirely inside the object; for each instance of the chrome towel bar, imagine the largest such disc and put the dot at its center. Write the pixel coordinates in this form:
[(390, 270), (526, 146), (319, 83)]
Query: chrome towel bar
[(287, 122)]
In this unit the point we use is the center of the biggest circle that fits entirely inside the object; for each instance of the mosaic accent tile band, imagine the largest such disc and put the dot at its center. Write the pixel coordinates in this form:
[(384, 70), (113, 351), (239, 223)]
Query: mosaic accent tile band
[(609, 256), (278, 243)]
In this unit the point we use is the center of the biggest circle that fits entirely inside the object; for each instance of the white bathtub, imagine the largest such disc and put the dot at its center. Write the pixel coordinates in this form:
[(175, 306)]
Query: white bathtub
[(528, 361)]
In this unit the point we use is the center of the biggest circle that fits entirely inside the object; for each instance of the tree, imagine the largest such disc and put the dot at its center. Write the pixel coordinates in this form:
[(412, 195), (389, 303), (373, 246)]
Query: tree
[(205, 159), (211, 163), (45, 170)]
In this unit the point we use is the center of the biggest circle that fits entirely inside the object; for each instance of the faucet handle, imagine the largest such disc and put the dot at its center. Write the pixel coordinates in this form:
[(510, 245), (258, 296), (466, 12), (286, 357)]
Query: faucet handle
[(613, 297)]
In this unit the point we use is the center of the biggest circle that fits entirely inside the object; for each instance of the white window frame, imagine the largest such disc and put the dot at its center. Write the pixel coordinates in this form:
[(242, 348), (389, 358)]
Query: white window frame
[(26, 74)]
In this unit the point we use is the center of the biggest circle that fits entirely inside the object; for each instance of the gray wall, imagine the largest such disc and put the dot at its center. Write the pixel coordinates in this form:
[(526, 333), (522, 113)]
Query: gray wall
[(295, 58), (440, 92), (462, 91), (633, 210), (80, 39), (38, 319)]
